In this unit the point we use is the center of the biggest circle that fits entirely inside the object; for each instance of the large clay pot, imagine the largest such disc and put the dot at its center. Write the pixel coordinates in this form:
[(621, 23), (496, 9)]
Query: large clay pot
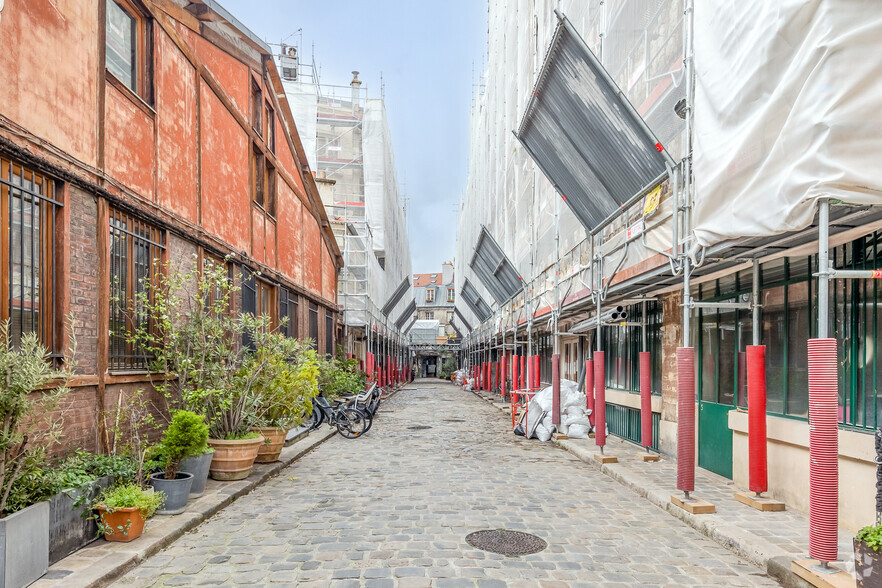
[(867, 565), (272, 447), (123, 524), (198, 466), (233, 459)]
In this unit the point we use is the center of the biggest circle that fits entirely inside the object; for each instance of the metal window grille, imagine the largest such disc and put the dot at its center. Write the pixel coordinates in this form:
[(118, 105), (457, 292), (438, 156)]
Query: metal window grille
[(624, 422), (135, 262), (329, 333), (313, 324), (28, 212), (288, 309)]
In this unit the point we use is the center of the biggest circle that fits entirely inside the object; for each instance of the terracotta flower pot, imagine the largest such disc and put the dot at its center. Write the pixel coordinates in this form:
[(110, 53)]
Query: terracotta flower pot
[(867, 565), (269, 452), (123, 524), (233, 459)]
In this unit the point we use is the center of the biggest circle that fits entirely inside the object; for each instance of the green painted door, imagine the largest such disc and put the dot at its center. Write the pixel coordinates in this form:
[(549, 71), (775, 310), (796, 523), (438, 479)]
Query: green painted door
[(714, 438)]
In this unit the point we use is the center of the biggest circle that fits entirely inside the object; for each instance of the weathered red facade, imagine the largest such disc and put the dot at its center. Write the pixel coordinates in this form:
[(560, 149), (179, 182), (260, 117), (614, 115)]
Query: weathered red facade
[(177, 153)]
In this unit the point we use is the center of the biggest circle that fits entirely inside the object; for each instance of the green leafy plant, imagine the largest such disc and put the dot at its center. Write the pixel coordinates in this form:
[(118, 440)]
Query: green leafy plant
[(339, 376), (286, 380), (186, 436), (29, 423), (134, 419), (127, 496), (872, 536)]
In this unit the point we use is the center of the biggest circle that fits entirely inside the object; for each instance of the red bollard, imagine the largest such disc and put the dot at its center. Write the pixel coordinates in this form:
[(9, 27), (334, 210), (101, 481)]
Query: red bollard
[(523, 372), (823, 450), (599, 399), (645, 400), (514, 372), (686, 419), (756, 418), (555, 389), (589, 389)]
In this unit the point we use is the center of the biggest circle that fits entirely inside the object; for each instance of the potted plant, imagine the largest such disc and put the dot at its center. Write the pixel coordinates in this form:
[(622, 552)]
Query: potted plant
[(286, 386), (123, 510), (185, 437), (868, 557), (198, 465), (30, 424)]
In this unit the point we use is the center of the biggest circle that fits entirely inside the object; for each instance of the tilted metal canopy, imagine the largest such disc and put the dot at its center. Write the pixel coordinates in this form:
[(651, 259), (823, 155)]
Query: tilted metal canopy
[(585, 136), (465, 323), (476, 303), (494, 269), (406, 314), (396, 296)]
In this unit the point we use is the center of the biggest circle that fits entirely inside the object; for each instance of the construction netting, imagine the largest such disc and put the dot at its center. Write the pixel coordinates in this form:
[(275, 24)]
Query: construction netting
[(788, 108), (347, 141), (640, 43)]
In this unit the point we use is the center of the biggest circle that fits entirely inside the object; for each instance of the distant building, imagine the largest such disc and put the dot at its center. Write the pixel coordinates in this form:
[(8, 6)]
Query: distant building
[(435, 297)]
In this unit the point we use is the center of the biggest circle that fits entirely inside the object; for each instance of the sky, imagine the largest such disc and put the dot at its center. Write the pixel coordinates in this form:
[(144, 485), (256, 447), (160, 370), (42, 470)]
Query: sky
[(428, 54)]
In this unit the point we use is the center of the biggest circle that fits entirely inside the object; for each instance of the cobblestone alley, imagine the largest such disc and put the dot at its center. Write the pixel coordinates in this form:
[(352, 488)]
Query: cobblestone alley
[(394, 508)]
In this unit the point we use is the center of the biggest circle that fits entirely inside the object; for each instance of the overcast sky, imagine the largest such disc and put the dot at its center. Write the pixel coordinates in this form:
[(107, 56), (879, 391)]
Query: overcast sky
[(426, 52)]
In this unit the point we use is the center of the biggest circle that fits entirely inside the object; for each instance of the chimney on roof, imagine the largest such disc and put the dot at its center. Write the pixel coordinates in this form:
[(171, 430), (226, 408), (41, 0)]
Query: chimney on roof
[(356, 90), (447, 272)]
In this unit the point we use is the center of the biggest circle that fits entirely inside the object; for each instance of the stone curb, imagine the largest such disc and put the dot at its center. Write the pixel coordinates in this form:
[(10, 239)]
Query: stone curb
[(749, 547), (162, 531)]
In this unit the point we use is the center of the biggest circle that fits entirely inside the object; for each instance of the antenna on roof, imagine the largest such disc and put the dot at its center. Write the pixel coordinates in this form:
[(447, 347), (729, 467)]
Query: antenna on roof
[(382, 88)]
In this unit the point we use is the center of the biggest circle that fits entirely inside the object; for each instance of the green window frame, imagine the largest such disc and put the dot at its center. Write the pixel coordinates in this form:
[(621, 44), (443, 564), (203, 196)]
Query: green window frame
[(622, 345)]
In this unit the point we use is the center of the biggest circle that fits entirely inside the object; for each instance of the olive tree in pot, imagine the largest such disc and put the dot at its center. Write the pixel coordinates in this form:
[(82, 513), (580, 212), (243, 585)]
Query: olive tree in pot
[(185, 437), (286, 384), (29, 424)]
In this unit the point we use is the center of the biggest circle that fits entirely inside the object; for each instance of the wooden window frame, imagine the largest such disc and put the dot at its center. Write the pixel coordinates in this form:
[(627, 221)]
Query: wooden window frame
[(430, 295), (256, 107), (268, 306), (42, 192), (258, 173), (143, 58), (269, 122)]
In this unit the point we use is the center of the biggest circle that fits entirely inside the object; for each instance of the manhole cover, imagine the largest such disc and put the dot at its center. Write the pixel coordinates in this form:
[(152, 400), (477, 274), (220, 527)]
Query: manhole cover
[(419, 427), (506, 542)]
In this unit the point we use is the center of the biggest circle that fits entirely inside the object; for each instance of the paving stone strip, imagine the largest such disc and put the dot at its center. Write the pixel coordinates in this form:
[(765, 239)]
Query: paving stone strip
[(393, 508), (769, 540)]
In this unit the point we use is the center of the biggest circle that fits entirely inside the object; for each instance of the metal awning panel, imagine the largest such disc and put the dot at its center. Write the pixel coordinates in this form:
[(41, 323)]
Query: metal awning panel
[(476, 303), (396, 296), (585, 135), (410, 326), (406, 314), (494, 268), (465, 323)]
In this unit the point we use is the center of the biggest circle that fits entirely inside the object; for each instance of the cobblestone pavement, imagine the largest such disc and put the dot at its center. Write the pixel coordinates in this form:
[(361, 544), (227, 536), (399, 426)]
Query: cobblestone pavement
[(393, 509)]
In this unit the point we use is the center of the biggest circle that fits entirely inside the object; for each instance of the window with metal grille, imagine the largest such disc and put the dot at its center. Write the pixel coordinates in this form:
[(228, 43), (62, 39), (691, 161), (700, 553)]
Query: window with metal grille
[(329, 332), (313, 324), (249, 300), (28, 211), (135, 262), (288, 305), (622, 345)]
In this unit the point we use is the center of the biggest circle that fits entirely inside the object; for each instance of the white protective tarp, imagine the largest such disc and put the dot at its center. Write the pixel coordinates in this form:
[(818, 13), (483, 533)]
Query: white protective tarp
[(788, 109), (303, 100)]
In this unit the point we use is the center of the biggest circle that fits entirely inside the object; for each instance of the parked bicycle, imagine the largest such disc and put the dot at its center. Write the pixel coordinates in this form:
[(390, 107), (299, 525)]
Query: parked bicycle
[(369, 400), (351, 422)]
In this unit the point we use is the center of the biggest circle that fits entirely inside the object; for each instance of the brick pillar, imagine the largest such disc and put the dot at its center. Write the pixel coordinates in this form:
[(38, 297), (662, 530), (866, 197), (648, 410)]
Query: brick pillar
[(671, 339)]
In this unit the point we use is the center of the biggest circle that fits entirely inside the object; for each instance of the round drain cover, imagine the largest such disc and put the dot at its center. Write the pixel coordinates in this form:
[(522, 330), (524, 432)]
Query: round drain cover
[(419, 427), (506, 542)]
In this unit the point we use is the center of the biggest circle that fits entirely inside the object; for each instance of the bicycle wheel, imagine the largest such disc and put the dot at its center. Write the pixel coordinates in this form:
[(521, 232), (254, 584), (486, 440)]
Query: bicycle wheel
[(351, 423), (368, 417), (316, 418)]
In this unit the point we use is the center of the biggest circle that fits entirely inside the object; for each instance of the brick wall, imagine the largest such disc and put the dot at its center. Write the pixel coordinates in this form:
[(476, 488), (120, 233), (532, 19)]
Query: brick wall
[(83, 279)]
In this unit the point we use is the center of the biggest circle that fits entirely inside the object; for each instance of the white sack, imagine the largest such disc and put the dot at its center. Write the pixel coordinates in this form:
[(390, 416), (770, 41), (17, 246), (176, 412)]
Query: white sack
[(578, 432), (543, 433), (788, 108)]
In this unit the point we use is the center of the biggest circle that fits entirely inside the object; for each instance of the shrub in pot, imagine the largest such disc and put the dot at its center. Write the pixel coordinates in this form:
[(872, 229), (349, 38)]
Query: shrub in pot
[(286, 386), (30, 423), (868, 557), (198, 465), (185, 437), (123, 510)]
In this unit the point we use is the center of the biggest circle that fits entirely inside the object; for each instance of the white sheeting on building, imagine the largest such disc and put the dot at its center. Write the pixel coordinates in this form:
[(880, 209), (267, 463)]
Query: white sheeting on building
[(788, 109)]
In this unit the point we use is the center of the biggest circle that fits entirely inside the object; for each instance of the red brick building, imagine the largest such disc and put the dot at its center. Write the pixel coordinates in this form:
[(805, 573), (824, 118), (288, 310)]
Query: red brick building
[(140, 129)]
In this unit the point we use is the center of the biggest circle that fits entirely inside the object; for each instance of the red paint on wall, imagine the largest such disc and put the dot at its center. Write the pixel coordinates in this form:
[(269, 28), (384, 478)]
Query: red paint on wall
[(49, 65), (175, 88), (258, 235), (128, 143), (312, 253), (231, 73), (226, 199), (329, 275), (290, 233)]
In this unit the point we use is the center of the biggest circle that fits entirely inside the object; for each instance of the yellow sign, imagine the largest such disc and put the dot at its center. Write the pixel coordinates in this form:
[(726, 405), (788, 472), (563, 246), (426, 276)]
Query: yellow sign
[(650, 204)]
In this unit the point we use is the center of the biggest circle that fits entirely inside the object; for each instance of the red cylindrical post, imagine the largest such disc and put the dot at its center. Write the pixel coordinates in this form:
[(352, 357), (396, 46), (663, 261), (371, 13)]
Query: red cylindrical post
[(756, 418), (645, 400), (589, 389), (486, 375), (823, 450), (537, 378), (523, 372), (599, 399), (686, 419), (555, 389), (514, 372), (504, 376)]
